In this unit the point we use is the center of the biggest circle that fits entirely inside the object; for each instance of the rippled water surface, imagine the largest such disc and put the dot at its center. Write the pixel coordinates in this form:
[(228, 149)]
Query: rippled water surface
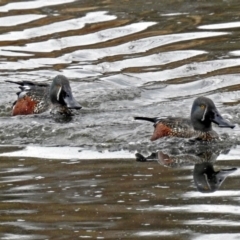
[(80, 179)]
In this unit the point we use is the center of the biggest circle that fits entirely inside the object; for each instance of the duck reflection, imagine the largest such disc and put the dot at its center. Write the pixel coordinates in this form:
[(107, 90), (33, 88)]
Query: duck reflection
[(205, 177)]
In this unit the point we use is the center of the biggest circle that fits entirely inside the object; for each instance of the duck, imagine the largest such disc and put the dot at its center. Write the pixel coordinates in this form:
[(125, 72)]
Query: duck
[(199, 126), (36, 98)]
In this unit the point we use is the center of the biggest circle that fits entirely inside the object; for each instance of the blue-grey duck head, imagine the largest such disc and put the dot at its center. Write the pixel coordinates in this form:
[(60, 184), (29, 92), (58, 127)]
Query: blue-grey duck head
[(204, 113), (61, 93)]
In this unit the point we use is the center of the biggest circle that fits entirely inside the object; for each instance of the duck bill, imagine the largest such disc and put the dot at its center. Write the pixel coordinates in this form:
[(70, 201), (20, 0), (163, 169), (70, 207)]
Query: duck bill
[(222, 175), (225, 172), (71, 103), (221, 122)]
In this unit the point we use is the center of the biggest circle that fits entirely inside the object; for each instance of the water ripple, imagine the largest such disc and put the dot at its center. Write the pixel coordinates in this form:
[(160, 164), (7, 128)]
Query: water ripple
[(17, 20), (32, 5), (221, 25), (124, 58), (187, 70), (141, 45), (57, 27), (87, 39)]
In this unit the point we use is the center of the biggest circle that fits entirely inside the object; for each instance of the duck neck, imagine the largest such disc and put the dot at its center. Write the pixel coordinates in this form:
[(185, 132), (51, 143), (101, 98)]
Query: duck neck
[(202, 126)]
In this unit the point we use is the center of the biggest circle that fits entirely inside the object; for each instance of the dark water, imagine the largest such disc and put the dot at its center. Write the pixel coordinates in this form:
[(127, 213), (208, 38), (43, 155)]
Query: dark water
[(80, 179)]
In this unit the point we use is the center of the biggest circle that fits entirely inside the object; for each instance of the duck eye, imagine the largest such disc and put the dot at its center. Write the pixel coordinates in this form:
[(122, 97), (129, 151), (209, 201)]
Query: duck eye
[(64, 94), (202, 106)]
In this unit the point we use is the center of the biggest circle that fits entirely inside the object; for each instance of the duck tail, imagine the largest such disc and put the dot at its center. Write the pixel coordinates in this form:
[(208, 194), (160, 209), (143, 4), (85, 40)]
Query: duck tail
[(9, 81), (28, 83), (146, 119)]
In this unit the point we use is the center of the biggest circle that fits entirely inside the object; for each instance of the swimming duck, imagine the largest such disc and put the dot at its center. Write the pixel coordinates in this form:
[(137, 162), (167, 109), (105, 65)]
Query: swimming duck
[(37, 98), (203, 114)]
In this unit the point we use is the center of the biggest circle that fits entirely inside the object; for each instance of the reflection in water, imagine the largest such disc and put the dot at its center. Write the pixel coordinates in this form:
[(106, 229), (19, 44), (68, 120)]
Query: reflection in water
[(206, 179), (75, 197)]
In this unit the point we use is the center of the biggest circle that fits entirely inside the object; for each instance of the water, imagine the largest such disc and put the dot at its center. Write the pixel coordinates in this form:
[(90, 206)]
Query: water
[(80, 179)]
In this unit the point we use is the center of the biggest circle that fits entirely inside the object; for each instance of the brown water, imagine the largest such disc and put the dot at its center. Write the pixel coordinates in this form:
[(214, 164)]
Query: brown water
[(80, 179)]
